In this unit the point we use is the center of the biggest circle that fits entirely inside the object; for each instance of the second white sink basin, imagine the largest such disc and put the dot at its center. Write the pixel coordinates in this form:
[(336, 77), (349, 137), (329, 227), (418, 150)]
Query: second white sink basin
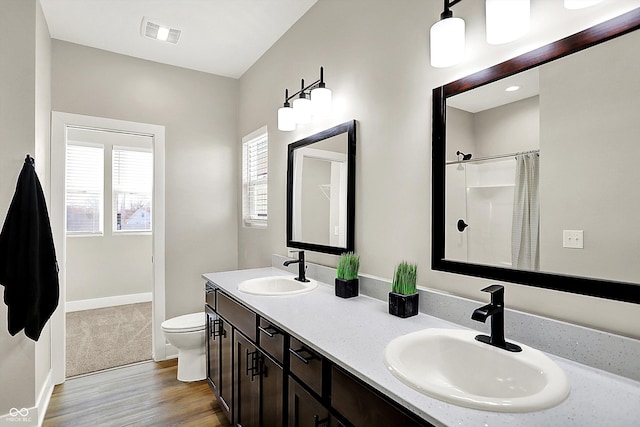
[(276, 285), (451, 365)]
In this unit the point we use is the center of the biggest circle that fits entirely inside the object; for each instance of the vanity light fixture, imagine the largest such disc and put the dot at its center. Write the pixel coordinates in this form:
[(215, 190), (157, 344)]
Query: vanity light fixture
[(310, 100), (507, 20), (579, 4), (447, 38)]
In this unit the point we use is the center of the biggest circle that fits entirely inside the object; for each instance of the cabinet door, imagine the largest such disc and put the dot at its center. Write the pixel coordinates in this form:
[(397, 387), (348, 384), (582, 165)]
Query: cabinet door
[(225, 387), (247, 376), (271, 393), (304, 409), (212, 350)]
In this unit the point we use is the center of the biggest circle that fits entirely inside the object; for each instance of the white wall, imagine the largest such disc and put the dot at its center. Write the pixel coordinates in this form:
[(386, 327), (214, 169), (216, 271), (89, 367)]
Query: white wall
[(376, 62), (24, 128), (199, 112)]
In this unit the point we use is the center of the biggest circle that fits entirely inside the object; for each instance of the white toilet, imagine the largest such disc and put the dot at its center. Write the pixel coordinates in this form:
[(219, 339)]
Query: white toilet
[(187, 334)]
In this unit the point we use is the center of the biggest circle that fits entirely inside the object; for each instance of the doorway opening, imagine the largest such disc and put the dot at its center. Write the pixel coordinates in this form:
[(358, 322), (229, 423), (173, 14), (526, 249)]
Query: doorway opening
[(107, 215)]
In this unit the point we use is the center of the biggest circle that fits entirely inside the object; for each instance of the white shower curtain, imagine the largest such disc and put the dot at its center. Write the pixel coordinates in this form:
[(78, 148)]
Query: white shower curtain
[(525, 238)]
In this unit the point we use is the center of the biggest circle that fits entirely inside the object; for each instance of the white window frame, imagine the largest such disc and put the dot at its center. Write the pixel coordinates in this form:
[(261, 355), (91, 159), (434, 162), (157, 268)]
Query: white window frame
[(250, 217), (100, 231), (114, 205)]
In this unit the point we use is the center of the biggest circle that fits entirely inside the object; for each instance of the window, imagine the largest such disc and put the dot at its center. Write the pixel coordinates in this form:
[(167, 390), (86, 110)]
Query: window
[(254, 178), (84, 189), (132, 189)]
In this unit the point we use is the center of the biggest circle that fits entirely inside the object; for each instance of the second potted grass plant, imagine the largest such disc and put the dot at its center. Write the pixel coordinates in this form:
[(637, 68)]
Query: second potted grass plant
[(347, 280), (403, 298)]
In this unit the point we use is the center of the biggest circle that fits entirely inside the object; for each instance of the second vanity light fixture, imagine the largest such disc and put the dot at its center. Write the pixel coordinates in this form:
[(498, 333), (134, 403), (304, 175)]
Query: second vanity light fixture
[(310, 100), (506, 21)]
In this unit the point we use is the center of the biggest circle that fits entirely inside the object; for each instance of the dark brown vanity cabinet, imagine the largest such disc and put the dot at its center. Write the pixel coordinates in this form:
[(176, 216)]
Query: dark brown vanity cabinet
[(305, 410), (259, 386), (263, 377), (219, 360)]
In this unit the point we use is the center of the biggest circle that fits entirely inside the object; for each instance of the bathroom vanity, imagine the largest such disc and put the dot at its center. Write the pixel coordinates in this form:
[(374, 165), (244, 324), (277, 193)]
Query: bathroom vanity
[(263, 375), (314, 359)]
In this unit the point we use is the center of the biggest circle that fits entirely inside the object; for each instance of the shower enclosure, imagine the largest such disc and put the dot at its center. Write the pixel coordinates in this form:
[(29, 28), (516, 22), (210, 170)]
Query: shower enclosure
[(479, 210)]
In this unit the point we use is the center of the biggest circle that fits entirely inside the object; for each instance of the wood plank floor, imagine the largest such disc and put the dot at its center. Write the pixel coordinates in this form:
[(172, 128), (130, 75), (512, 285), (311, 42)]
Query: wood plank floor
[(146, 394)]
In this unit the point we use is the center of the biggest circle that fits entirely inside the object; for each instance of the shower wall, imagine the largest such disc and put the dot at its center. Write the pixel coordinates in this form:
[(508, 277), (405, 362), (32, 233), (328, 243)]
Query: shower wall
[(481, 195)]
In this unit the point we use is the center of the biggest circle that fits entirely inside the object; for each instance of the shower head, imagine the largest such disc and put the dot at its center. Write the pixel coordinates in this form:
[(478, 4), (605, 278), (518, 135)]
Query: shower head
[(464, 156)]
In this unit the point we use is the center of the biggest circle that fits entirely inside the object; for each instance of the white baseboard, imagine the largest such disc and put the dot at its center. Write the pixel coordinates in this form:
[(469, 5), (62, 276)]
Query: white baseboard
[(33, 416), (89, 304), (44, 398)]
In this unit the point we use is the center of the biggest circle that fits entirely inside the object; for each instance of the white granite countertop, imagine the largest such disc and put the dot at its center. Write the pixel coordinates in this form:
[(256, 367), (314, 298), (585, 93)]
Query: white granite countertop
[(354, 332)]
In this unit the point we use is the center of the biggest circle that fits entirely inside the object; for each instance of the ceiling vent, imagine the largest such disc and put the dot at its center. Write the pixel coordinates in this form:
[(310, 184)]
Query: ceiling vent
[(159, 32)]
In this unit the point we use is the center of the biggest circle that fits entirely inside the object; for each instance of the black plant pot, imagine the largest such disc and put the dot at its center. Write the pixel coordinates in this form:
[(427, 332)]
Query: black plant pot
[(346, 288), (403, 305)]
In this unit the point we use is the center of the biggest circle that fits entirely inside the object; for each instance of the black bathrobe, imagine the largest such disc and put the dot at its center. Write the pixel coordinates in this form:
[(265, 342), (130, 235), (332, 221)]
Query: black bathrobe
[(28, 267)]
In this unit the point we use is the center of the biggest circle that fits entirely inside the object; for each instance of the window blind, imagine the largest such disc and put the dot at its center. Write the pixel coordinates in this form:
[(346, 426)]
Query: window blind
[(132, 186), (84, 189), (255, 167)]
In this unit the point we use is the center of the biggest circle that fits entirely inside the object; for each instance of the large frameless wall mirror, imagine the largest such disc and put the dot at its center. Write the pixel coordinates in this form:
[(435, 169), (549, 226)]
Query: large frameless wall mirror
[(321, 191), (539, 185)]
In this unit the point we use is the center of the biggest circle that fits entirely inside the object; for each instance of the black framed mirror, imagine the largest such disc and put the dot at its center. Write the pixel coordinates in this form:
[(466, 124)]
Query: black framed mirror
[(593, 131), (321, 191)]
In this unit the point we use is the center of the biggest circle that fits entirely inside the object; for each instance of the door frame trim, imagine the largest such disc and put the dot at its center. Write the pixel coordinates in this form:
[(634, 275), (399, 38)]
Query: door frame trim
[(60, 122)]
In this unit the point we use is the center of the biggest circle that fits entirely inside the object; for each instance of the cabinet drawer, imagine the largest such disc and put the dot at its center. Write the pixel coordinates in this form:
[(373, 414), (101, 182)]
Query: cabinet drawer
[(306, 365), (240, 317), (210, 295), (271, 340), (362, 406)]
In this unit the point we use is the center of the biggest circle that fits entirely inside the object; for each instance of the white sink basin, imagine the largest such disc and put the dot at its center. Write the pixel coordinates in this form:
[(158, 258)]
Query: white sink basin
[(276, 285), (452, 366)]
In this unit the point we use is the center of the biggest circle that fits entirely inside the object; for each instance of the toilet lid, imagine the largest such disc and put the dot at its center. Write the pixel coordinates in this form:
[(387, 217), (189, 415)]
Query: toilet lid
[(185, 323)]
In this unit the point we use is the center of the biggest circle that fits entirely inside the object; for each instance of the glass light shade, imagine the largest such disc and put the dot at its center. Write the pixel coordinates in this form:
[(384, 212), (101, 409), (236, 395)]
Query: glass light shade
[(579, 4), (507, 20), (321, 101), (447, 42), (286, 119), (302, 110)]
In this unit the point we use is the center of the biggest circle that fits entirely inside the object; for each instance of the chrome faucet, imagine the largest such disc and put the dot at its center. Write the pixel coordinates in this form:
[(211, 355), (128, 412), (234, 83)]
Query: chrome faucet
[(495, 309), (302, 268)]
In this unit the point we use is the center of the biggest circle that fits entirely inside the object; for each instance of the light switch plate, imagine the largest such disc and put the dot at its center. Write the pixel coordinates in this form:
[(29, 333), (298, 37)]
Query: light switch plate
[(573, 239)]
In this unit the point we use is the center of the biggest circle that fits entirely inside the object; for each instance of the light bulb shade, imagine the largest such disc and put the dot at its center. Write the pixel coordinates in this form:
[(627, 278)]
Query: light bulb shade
[(302, 110), (507, 20), (286, 119), (321, 101), (447, 42), (579, 4)]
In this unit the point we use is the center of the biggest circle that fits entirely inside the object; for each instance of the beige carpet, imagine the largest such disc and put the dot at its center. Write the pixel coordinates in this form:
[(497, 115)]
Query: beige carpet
[(108, 337)]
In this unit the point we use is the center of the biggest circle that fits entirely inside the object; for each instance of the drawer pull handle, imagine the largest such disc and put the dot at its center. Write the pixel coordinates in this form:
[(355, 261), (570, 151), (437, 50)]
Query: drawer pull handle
[(303, 359), (317, 421), (218, 329), (269, 331), (253, 364)]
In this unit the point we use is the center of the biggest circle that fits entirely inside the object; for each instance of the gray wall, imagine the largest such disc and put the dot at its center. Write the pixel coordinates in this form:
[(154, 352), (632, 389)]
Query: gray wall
[(376, 60), (25, 104), (199, 112), (508, 129), (589, 167)]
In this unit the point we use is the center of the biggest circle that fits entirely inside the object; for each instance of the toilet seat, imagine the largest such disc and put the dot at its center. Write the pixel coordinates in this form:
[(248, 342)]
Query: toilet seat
[(186, 323)]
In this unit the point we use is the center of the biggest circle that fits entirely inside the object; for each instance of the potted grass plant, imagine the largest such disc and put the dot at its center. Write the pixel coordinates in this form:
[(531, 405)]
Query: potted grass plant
[(403, 298), (347, 280)]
